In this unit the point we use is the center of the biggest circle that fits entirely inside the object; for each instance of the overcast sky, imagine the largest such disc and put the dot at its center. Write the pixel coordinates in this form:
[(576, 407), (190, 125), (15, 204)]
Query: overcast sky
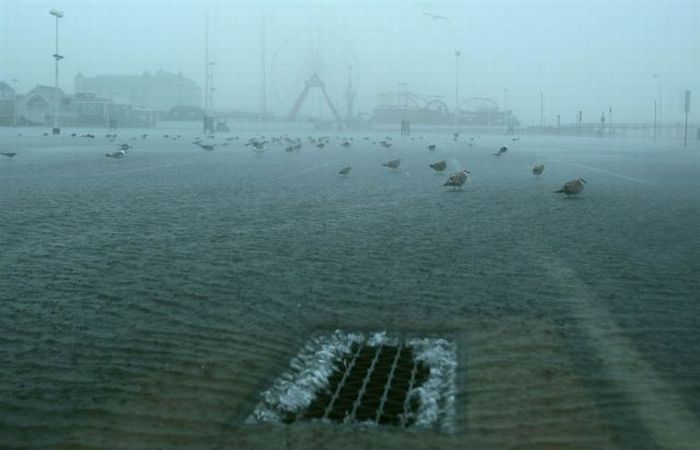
[(580, 54)]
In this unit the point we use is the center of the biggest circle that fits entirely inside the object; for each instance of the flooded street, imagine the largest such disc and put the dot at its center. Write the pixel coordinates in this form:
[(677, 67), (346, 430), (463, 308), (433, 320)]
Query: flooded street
[(148, 301)]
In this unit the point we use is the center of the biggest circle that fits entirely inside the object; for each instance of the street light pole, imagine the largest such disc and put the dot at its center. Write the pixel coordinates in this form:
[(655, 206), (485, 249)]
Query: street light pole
[(14, 99), (658, 96), (541, 109), (655, 130), (57, 57), (456, 112)]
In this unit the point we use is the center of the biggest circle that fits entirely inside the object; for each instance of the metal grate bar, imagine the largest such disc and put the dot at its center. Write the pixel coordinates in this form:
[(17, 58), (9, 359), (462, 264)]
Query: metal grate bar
[(407, 400), (348, 369), (361, 392), (387, 387)]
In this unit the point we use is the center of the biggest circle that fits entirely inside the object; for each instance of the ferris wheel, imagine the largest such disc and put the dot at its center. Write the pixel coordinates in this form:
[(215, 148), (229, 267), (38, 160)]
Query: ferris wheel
[(314, 73)]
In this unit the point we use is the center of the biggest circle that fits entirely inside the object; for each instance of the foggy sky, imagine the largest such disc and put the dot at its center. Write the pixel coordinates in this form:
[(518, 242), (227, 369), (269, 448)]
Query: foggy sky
[(579, 54)]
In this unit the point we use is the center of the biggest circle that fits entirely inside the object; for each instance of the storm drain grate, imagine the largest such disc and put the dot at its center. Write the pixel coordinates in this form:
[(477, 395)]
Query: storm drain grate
[(370, 379)]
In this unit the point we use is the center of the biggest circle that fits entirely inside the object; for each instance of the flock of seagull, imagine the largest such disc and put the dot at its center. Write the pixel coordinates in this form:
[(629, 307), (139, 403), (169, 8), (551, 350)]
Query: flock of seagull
[(259, 144)]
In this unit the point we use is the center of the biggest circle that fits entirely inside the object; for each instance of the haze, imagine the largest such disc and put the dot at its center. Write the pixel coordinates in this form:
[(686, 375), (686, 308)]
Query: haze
[(581, 55)]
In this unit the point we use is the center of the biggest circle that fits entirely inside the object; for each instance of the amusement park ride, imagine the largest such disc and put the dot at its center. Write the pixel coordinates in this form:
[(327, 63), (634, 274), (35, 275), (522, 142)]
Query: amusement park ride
[(310, 72), (405, 105)]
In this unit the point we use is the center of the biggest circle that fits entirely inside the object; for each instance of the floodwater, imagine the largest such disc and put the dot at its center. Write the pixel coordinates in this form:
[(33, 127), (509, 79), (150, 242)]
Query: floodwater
[(146, 302)]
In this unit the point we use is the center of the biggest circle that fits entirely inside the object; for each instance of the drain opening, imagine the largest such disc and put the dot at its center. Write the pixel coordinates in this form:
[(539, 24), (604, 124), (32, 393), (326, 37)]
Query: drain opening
[(373, 379)]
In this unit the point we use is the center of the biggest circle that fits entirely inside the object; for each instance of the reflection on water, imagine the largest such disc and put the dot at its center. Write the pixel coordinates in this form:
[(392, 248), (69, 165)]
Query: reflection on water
[(147, 301)]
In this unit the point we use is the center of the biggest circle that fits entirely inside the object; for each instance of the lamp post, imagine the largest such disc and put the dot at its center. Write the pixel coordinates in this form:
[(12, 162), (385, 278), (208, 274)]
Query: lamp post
[(456, 112), (541, 109), (658, 97), (58, 14), (14, 99)]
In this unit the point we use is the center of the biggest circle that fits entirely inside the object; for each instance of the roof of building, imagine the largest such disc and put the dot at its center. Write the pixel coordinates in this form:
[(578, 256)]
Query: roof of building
[(5, 87), (46, 91)]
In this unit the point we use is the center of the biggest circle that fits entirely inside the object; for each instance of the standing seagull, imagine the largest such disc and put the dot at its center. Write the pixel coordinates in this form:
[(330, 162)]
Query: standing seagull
[(393, 164), (457, 180), (432, 147), (116, 155), (345, 170), (207, 147), (8, 154), (501, 150), (439, 166), (538, 169), (572, 187)]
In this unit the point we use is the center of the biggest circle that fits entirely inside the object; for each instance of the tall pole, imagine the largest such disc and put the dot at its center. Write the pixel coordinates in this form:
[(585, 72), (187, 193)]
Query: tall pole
[(658, 95), (655, 130), (206, 67), (610, 122), (57, 57), (541, 109), (350, 96), (456, 112), (687, 110), (14, 87), (263, 93)]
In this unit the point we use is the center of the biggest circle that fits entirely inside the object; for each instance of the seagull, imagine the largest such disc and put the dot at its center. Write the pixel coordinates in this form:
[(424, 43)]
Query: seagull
[(393, 164), (207, 147), (116, 155), (501, 150), (573, 187), (439, 166), (345, 170), (8, 154), (432, 147), (538, 169), (457, 180), (125, 146)]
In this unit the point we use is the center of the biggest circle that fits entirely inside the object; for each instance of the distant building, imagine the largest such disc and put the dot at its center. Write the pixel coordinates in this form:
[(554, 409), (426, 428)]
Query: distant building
[(161, 91), (7, 104), (36, 108), (84, 109)]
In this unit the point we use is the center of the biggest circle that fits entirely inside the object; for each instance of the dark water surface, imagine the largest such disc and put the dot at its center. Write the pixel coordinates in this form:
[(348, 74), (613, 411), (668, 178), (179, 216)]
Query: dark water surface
[(145, 302)]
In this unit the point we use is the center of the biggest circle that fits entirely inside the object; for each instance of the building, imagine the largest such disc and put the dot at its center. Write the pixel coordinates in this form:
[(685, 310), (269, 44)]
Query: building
[(7, 104), (161, 91), (84, 109), (36, 108)]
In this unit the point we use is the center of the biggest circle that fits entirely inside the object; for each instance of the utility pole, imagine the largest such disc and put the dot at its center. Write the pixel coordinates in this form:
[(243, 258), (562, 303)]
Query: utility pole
[(455, 132), (208, 124), (14, 99), (687, 110), (580, 121), (350, 96), (655, 125)]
